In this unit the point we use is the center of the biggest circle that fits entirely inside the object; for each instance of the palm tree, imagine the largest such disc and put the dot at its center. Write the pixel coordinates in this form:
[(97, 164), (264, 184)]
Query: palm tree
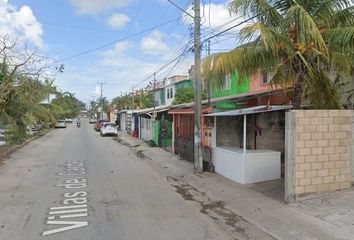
[(305, 44)]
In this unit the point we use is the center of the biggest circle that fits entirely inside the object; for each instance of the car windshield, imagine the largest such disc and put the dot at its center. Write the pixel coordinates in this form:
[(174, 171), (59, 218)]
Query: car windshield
[(109, 125)]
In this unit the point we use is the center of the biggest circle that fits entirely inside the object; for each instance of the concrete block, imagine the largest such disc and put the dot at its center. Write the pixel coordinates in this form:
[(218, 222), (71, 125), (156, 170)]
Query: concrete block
[(322, 113), (310, 128), (304, 136), (322, 128), (333, 172), (303, 121), (316, 180), (322, 172), (300, 144), (322, 188), (345, 185), (310, 113), (316, 166), (304, 181), (328, 179), (328, 165), (340, 164), (333, 128), (300, 129), (316, 121), (340, 149), (334, 157), (300, 174), (341, 135), (316, 151), (310, 173), (328, 150), (322, 143), (339, 178), (316, 136), (304, 151), (328, 120), (329, 135), (333, 113), (333, 186), (300, 159), (303, 166), (333, 142), (300, 189), (323, 157), (310, 158), (310, 189)]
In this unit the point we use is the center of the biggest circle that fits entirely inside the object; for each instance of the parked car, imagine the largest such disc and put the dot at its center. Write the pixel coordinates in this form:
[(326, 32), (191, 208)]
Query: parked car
[(60, 124), (99, 124), (92, 120), (68, 120), (109, 128)]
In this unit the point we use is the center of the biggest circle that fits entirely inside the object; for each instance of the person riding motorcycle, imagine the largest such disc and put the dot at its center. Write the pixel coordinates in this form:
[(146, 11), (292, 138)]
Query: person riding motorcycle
[(78, 122)]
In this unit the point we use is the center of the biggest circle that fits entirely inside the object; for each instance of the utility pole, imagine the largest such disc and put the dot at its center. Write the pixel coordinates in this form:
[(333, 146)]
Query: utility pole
[(198, 155), (154, 114), (101, 96), (132, 118)]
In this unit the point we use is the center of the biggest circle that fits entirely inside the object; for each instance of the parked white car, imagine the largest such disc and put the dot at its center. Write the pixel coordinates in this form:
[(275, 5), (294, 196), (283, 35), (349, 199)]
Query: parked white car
[(60, 124), (109, 128)]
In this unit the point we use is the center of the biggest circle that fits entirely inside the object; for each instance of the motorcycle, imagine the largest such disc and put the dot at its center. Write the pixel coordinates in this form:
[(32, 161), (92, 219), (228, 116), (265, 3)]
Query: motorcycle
[(78, 124)]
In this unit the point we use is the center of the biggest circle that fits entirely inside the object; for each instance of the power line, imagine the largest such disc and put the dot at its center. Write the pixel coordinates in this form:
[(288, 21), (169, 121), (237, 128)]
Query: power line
[(113, 42)]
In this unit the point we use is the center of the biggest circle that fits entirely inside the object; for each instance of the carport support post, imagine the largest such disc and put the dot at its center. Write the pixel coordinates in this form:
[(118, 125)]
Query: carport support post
[(244, 133), (290, 140)]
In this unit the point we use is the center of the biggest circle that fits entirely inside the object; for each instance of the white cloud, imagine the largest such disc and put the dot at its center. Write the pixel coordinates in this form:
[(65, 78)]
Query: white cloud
[(219, 15), (21, 24), (153, 44), (118, 21), (97, 6)]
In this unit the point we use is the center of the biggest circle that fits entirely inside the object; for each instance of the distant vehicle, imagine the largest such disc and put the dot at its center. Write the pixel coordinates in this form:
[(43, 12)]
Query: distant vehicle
[(60, 124), (68, 120), (2, 135), (92, 120), (109, 128), (78, 124), (99, 124)]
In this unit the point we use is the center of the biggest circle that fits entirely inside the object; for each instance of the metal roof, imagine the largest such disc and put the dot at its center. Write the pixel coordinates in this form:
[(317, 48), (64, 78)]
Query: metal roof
[(148, 110), (251, 110)]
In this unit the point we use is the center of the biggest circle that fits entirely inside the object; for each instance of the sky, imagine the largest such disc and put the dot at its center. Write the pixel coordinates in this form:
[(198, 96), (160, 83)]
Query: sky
[(119, 43)]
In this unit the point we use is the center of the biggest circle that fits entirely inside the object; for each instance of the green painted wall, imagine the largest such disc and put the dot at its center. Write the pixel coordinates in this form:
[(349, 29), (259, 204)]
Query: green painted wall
[(156, 127), (236, 88), (186, 83)]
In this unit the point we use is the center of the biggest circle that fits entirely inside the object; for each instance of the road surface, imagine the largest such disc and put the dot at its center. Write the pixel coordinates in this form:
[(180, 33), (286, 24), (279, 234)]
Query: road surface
[(74, 184)]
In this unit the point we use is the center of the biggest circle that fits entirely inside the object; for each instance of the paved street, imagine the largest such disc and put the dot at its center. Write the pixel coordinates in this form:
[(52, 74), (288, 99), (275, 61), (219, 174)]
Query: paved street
[(74, 184)]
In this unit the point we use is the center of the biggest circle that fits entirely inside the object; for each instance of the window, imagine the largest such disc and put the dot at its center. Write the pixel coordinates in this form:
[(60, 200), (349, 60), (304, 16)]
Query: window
[(267, 77), (168, 93), (171, 92), (227, 82)]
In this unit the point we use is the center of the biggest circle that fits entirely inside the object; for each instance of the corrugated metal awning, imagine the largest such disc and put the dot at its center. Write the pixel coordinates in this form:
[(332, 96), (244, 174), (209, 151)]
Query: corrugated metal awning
[(161, 108), (251, 110)]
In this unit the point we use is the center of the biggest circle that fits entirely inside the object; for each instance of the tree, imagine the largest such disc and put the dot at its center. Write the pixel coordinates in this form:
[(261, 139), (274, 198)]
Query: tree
[(186, 95), (305, 44)]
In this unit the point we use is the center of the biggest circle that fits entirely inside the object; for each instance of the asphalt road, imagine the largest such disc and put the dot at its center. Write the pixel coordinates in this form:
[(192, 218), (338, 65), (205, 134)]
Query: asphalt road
[(74, 184)]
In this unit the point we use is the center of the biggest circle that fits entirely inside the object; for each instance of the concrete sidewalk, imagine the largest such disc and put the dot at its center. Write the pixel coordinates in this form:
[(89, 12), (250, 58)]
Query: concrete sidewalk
[(329, 216)]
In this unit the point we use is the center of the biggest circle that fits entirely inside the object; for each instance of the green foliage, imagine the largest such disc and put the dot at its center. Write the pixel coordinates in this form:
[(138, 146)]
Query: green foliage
[(21, 94), (304, 43), (142, 99), (186, 95)]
